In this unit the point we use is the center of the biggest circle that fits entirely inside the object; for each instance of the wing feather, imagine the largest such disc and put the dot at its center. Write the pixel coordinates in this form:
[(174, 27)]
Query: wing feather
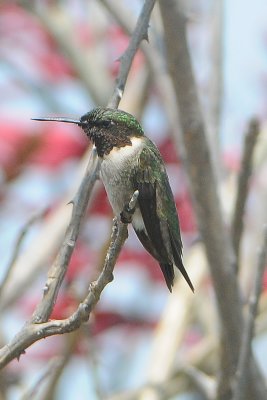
[(162, 237)]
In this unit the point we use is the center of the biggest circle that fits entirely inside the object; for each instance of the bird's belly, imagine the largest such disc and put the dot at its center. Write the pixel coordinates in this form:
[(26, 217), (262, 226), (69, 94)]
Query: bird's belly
[(116, 173), (119, 191), (118, 187)]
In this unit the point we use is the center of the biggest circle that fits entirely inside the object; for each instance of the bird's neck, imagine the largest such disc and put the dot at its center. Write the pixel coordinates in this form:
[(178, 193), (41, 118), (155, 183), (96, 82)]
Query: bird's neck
[(106, 143), (121, 154)]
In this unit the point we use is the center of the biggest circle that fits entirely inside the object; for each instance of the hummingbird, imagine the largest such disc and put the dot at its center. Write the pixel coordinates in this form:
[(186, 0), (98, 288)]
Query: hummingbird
[(130, 162)]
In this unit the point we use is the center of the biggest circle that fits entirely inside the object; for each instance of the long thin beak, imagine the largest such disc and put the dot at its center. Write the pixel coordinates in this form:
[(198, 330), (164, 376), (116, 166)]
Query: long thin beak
[(59, 119)]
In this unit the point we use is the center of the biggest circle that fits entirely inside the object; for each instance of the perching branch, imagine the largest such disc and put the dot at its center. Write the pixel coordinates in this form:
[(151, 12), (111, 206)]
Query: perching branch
[(32, 331), (38, 327), (243, 183), (245, 352), (59, 268)]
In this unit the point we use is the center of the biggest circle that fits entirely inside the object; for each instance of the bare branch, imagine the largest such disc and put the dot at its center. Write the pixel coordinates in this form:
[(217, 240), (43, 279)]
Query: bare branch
[(243, 183), (139, 34), (207, 205), (32, 331), (245, 352), (58, 270)]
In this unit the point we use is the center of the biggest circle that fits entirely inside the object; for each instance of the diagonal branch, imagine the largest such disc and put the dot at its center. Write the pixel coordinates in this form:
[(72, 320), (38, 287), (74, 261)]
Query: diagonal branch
[(59, 268), (31, 332)]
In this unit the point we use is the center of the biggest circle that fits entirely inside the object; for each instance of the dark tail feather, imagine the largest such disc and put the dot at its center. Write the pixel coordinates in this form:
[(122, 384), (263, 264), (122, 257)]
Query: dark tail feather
[(166, 268), (184, 273), (177, 255), (168, 273)]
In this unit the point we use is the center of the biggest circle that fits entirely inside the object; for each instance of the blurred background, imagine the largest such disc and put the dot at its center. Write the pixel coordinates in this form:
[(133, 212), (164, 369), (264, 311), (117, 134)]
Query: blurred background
[(61, 58)]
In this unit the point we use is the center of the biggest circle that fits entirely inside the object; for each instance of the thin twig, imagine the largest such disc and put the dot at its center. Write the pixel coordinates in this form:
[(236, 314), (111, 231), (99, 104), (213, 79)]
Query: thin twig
[(139, 34), (243, 183), (31, 332), (17, 247), (245, 352)]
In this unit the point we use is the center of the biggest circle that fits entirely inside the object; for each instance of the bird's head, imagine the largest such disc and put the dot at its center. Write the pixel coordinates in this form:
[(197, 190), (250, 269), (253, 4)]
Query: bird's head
[(105, 127)]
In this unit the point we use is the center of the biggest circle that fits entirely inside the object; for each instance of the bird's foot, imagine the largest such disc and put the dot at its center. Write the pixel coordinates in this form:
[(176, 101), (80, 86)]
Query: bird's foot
[(127, 214), (129, 209)]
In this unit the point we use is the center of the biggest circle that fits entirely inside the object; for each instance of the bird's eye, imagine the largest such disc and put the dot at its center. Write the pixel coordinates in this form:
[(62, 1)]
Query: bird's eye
[(106, 123)]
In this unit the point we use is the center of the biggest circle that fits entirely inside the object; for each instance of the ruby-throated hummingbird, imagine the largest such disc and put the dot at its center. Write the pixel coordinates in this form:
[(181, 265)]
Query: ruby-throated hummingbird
[(130, 162)]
